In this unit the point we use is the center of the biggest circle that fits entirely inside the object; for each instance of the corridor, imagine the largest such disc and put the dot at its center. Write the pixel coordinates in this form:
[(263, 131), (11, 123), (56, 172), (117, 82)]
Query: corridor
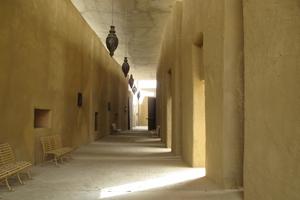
[(155, 99), (131, 166)]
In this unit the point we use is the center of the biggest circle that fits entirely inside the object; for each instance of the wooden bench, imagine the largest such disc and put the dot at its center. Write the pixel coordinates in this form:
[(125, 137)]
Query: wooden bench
[(10, 167), (52, 146)]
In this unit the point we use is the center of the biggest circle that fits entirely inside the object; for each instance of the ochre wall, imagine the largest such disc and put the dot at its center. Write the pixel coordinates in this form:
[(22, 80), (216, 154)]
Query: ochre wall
[(48, 54), (169, 82), (203, 48), (272, 99), (251, 107)]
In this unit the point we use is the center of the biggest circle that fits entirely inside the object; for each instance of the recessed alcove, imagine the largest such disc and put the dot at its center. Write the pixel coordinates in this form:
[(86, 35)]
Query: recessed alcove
[(42, 118)]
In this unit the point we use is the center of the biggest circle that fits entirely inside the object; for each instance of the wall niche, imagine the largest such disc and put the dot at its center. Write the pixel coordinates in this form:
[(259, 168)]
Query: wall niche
[(42, 118)]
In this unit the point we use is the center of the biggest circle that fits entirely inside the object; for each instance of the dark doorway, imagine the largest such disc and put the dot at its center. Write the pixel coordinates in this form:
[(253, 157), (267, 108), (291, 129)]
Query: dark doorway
[(96, 122), (151, 113)]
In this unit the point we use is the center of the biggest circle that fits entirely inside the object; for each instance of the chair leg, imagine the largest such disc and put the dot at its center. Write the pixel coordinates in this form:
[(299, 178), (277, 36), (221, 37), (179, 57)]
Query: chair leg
[(19, 178), (7, 185), (29, 174), (55, 160)]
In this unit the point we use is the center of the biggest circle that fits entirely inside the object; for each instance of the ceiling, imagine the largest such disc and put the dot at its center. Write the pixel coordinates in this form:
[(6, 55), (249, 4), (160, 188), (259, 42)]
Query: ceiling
[(139, 26)]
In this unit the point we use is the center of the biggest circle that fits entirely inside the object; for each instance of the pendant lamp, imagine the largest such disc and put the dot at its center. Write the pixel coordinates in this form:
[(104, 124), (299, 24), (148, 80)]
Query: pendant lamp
[(131, 81), (139, 95), (112, 40), (125, 67), (134, 89)]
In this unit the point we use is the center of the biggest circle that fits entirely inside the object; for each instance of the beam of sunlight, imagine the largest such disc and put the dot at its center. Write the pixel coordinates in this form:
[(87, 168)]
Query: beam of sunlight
[(165, 180)]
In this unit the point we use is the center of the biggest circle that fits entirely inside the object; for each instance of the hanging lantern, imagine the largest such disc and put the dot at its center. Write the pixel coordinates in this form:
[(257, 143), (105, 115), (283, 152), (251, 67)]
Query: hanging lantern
[(112, 41), (134, 89), (139, 95), (125, 67), (131, 81)]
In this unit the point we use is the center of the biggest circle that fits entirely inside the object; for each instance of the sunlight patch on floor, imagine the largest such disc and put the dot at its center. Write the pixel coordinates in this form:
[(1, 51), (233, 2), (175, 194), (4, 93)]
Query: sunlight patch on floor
[(140, 128), (163, 181)]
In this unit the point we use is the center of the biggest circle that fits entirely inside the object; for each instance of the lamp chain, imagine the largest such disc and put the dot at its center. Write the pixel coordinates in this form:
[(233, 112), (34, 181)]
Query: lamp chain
[(112, 12), (127, 32)]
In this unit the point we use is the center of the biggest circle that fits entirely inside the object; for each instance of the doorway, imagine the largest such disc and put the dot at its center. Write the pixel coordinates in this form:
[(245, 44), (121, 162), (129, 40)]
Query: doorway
[(151, 113), (199, 122), (169, 110)]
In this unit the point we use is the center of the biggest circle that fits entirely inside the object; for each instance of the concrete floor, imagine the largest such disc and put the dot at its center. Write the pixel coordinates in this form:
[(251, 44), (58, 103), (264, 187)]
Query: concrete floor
[(123, 166)]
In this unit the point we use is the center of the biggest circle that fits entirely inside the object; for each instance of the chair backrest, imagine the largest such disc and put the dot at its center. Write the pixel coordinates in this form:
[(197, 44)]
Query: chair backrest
[(114, 126), (47, 143), (57, 141), (6, 154), (52, 142), (158, 130), (3, 173)]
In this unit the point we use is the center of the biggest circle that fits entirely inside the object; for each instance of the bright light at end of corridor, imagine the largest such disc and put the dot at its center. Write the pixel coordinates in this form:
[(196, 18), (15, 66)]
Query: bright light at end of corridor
[(165, 180), (147, 84)]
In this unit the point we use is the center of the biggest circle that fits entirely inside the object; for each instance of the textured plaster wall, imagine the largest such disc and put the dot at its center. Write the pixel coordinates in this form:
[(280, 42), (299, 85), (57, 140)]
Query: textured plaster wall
[(48, 54), (233, 94), (205, 47), (272, 100), (169, 82)]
